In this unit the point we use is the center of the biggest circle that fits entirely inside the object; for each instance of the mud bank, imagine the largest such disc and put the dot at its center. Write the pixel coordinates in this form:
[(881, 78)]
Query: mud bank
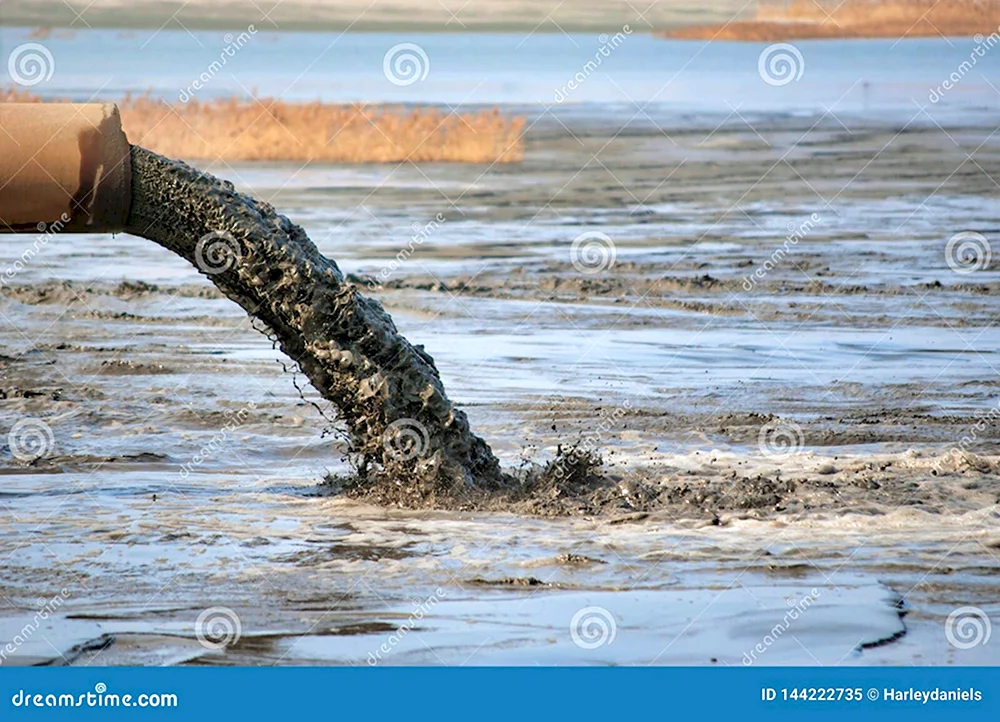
[(387, 392)]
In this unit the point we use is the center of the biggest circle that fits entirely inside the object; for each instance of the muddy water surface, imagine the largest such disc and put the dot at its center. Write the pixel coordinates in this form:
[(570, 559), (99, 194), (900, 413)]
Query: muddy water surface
[(778, 428)]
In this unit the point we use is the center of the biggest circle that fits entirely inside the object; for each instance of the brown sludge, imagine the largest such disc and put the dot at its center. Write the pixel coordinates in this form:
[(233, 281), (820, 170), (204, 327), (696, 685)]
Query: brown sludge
[(411, 446), (403, 428)]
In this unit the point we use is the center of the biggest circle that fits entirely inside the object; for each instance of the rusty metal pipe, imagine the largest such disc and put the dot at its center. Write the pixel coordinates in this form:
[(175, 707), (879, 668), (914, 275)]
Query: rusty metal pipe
[(64, 165)]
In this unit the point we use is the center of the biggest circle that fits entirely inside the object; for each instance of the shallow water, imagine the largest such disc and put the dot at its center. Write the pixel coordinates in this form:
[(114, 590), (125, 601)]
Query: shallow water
[(641, 77), (165, 495)]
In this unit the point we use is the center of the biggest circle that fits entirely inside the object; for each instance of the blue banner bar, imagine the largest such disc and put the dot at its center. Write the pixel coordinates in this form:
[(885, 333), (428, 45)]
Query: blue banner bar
[(410, 694)]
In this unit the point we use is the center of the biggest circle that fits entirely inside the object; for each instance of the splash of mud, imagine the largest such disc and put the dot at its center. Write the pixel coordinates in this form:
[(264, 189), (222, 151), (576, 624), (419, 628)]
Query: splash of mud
[(403, 429), (413, 447)]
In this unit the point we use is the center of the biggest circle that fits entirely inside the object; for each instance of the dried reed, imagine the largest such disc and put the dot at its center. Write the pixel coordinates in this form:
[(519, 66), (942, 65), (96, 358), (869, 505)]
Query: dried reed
[(265, 129)]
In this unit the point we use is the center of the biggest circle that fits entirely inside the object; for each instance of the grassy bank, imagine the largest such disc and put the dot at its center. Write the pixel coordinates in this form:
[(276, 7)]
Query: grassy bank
[(266, 129)]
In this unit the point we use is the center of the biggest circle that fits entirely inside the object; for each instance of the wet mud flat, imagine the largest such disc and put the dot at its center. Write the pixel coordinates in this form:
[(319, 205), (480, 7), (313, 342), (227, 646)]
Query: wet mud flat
[(825, 425)]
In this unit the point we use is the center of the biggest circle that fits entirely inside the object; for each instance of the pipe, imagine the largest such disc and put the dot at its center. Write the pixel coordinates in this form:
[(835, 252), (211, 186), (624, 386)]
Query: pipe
[(64, 165)]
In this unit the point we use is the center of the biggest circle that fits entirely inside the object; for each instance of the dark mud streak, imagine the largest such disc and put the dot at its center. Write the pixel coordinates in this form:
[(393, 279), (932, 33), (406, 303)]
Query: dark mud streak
[(345, 343), (66, 659), (901, 608)]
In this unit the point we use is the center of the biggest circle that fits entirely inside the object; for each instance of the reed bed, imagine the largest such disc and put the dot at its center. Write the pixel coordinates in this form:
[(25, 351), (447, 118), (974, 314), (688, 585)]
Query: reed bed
[(800, 19), (264, 129)]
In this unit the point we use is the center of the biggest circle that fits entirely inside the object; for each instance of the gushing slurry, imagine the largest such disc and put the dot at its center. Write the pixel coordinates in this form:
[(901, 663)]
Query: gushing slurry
[(402, 425)]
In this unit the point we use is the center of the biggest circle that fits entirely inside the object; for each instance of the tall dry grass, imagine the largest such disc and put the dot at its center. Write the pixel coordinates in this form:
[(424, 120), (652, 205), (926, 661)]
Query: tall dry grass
[(266, 129)]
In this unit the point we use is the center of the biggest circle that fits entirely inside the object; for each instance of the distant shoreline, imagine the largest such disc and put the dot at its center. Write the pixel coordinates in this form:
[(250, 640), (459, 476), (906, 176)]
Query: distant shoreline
[(213, 24), (732, 20), (764, 31), (778, 20), (399, 16), (733, 32)]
